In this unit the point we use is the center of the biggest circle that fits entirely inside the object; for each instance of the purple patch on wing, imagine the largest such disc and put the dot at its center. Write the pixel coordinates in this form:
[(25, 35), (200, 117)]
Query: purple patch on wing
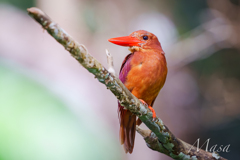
[(125, 68)]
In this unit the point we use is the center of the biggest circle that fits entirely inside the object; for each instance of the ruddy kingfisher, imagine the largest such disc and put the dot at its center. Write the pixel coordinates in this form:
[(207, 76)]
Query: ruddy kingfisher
[(143, 72)]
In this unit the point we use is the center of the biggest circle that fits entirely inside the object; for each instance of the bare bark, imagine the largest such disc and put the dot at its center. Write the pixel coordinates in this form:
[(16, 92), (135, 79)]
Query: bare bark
[(159, 137)]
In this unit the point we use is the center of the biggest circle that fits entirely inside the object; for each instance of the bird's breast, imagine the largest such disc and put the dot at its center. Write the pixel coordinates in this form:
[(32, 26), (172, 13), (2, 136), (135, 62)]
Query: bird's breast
[(147, 75)]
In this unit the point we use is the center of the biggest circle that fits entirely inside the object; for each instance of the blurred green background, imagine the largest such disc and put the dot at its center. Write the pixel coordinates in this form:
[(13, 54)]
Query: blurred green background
[(52, 108), (35, 124)]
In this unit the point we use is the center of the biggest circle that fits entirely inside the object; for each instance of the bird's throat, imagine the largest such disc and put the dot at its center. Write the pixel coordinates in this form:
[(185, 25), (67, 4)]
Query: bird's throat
[(134, 49)]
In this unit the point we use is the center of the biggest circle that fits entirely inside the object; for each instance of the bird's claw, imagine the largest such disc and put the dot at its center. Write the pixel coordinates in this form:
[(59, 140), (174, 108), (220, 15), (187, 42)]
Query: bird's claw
[(153, 111), (143, 102)]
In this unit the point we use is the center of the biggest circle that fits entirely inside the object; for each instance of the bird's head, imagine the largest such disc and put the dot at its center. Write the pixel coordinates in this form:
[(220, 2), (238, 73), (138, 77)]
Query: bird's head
[(138, 40)]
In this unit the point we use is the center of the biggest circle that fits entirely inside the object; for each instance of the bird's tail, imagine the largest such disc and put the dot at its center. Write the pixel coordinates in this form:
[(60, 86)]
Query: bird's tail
[(127, 129)]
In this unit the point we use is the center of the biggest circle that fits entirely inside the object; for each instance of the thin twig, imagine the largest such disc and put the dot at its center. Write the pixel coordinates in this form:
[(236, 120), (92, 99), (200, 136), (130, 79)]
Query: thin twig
[(110, 63), (165, 141)]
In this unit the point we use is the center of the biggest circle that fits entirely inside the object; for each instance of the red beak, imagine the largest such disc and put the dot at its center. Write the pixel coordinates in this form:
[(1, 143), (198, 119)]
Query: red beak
[(126, 41)]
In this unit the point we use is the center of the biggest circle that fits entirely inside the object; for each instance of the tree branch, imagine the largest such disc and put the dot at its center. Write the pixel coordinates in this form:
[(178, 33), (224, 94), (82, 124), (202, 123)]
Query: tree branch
[(159, 137)]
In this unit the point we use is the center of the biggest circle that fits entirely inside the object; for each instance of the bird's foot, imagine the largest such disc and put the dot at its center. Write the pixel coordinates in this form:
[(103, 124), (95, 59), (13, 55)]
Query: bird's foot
[(153, 111)]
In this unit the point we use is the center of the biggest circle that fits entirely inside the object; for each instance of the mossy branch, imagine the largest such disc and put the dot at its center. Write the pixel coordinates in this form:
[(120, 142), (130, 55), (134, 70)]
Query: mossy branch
[(159, 137)]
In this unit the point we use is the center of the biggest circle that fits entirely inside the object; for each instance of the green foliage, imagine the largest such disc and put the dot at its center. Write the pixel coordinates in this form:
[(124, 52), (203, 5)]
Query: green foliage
[(225, 62), (186, 13), (23, 4)]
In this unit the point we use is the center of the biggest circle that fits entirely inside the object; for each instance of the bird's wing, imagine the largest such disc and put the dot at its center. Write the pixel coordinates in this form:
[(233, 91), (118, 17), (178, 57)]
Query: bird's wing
[(125, 68), (126, 119)]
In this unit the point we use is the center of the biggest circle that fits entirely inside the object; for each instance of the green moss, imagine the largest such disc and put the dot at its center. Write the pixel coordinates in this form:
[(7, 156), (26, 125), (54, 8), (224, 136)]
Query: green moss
[(93, 70), (169, 146)]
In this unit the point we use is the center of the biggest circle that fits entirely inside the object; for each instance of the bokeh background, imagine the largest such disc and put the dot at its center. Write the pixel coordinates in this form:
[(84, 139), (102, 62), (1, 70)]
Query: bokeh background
[(51, 108)]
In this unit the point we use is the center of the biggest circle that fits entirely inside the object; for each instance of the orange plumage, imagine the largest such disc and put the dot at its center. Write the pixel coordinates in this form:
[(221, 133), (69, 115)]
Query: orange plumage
[(144, 73)]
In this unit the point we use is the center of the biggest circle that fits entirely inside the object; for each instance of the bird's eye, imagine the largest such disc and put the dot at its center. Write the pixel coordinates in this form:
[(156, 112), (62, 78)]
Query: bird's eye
[(145, 37)]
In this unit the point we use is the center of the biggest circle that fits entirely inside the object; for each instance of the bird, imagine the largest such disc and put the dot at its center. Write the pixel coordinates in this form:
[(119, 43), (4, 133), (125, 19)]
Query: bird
[(144, 73)]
